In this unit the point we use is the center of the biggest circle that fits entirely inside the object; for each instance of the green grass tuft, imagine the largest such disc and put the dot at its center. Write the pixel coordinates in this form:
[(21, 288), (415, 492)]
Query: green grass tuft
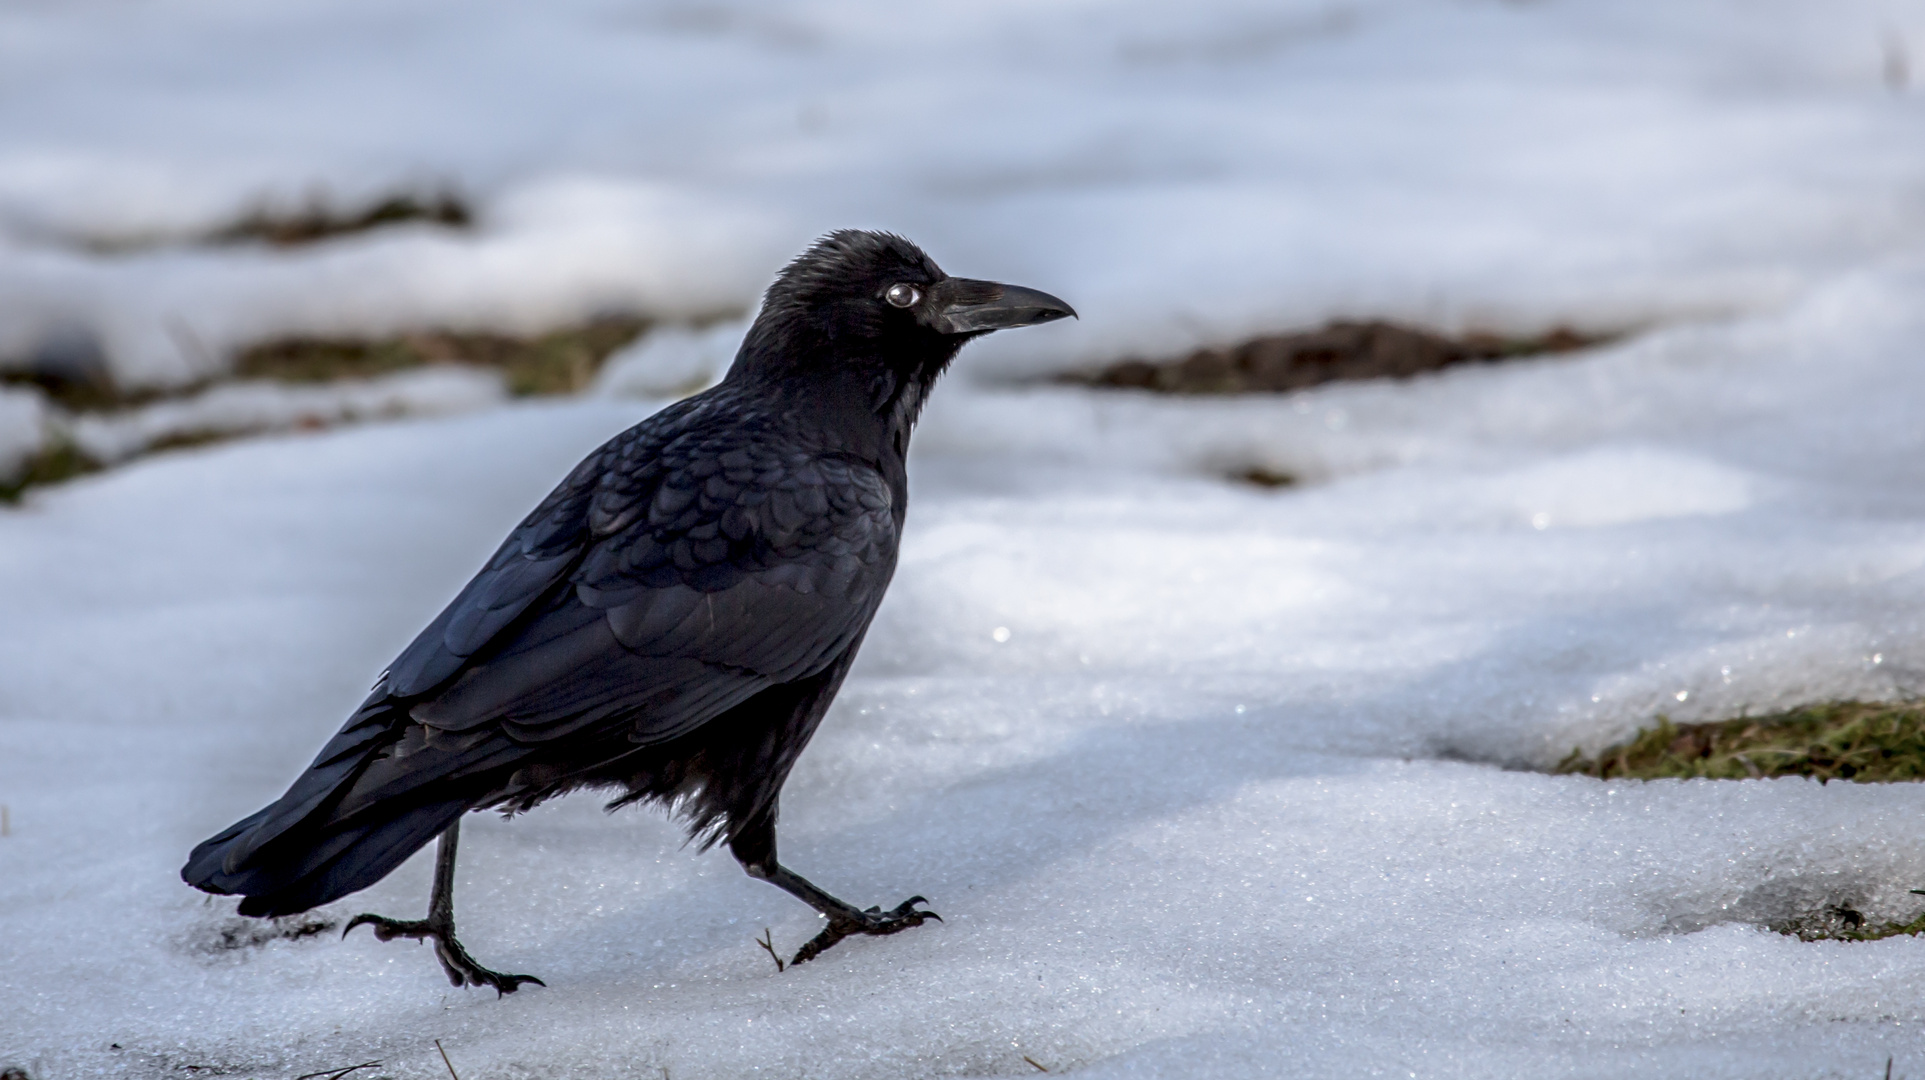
[(1869, 742)]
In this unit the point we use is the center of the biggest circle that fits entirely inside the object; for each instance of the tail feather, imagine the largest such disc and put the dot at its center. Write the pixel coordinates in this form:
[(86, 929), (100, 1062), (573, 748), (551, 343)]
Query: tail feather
[(301, 850), (332, 773), (347, 863), (310, 869)]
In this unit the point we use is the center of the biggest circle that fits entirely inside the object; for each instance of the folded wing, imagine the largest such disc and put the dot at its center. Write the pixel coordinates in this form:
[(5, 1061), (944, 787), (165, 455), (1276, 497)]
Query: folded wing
[(673, 575)]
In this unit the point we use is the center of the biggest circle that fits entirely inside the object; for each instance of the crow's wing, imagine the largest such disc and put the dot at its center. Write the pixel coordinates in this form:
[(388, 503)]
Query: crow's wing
[(674, 574), (704, 577), (531, 562)]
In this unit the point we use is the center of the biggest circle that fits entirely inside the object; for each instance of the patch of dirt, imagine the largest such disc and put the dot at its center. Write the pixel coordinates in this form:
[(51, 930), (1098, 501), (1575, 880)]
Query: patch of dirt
[(559, 362), (75, 393), (1279, 363), (1265, 477), (319, 219), (235, 933)]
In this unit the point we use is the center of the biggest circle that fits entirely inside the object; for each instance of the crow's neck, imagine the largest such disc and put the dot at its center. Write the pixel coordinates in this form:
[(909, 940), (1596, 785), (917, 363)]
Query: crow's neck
[(860, 401)]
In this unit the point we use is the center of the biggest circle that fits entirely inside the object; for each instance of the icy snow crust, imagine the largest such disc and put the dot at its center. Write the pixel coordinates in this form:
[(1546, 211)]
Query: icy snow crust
[(1206, 780)]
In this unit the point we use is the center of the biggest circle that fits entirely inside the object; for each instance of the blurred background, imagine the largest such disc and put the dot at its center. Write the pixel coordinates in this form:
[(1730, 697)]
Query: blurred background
[(195, 191)]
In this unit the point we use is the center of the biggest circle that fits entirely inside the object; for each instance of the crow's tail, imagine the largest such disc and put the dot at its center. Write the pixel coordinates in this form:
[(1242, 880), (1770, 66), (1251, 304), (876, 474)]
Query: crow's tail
[(302, 851)]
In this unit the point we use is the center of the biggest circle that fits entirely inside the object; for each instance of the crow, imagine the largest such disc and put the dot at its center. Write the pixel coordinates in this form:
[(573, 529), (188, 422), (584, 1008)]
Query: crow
[(669, 625)]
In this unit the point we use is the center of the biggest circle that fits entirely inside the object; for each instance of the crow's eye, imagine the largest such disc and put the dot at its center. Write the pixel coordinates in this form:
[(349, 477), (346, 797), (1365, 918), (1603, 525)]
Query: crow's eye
[(902, 295)]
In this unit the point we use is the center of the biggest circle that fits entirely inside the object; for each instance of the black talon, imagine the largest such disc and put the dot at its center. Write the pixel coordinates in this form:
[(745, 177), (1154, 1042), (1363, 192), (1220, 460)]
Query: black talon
[(874, 922), (386, 929), (439, 927)]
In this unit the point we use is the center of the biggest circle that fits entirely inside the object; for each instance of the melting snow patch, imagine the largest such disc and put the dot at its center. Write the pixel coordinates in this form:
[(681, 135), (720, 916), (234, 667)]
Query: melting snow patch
[(671, 361)]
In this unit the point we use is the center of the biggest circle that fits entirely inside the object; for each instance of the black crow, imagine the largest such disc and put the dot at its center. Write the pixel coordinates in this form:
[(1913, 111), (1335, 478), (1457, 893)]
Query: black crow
[(669, 624)]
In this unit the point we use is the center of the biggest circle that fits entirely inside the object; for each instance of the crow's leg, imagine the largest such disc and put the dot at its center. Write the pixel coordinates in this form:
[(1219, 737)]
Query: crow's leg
[(439, 927), (754, 848)]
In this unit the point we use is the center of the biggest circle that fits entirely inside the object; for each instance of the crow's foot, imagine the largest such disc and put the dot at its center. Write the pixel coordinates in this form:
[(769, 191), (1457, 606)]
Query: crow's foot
[(873, 921), (461, 968)]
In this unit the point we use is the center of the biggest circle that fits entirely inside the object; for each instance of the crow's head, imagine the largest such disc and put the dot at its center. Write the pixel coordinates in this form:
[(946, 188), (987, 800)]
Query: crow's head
[(872, 302)]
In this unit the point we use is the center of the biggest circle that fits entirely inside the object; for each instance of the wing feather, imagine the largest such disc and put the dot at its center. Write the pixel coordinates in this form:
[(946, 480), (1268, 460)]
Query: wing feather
[(687, 565)]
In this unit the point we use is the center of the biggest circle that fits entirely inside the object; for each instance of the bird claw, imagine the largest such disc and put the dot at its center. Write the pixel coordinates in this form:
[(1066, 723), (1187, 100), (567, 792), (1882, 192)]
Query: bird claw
[(875, 922), (386, 929), (501, 981), (461, 968)]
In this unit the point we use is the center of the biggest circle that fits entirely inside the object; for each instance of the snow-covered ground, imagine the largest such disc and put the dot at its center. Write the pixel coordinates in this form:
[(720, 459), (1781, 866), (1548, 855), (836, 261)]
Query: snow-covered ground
[(1206, 780)]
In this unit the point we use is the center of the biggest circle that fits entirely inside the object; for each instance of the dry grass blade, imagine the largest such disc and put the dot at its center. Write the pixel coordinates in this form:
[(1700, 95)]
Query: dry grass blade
[(445, 1061), (767, 941), (337, 1074), (1037, 1065), (318, 221)]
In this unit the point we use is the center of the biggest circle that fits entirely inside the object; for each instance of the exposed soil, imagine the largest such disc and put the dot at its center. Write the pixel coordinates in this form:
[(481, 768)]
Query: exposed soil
[(1264, 476), (232, 934), (1339, 351), (316, 220), (558, 362), (82, 391), (561, 361), (319, 221)]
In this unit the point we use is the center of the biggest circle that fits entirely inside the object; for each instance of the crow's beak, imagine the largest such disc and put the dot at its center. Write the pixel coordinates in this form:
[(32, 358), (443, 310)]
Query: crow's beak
[(974, 307)]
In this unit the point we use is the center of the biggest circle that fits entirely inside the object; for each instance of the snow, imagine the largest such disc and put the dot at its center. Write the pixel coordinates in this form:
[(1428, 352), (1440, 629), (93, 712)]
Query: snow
[(1205, 779), (671, 361), (23, 429), (255, 406)]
